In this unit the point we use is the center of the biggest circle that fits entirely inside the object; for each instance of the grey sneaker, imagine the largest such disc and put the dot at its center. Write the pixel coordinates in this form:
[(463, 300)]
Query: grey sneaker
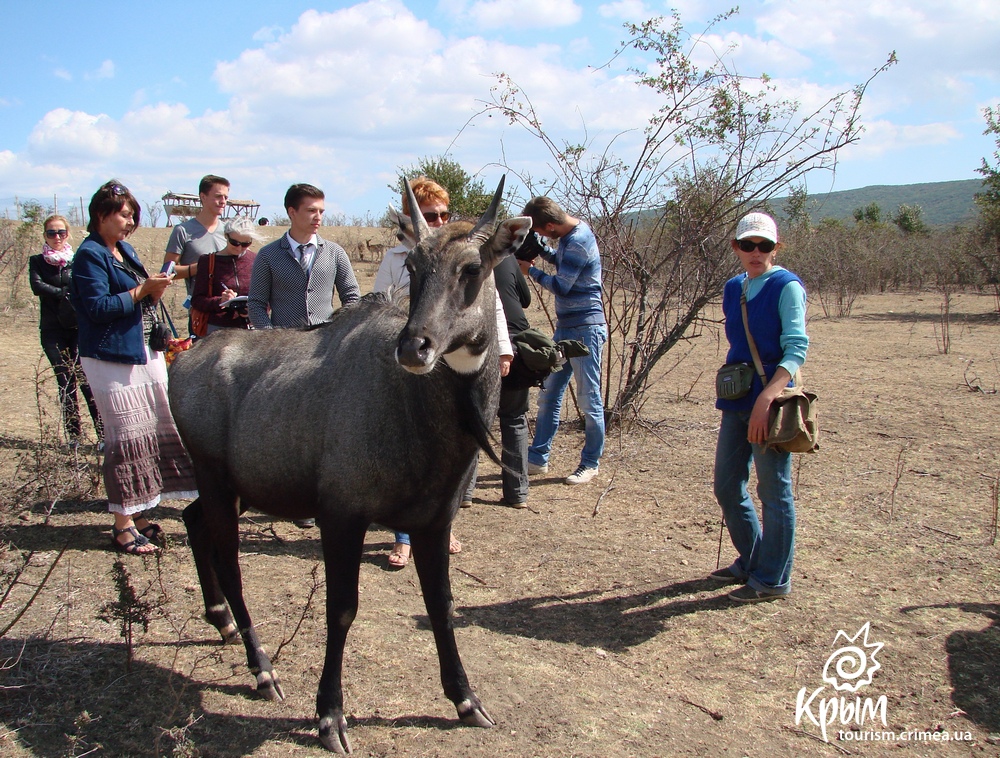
[(725, 576), (534, 468), (305, 523), (747, 594), (582, 475)]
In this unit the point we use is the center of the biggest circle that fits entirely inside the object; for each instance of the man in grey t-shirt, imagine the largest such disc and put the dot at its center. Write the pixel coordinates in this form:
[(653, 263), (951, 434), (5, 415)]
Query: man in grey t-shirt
[(201, 235)]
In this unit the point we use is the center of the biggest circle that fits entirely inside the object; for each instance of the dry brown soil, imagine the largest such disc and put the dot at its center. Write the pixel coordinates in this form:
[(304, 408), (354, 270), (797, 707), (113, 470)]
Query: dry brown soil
[(585, 622)]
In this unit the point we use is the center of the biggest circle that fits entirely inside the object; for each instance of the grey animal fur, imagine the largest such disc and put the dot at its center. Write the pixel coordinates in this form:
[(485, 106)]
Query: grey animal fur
[(376, 416)]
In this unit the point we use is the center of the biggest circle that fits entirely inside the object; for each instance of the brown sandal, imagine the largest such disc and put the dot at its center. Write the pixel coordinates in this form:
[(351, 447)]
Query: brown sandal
[(131, 548), (398, 559), (151, 531)]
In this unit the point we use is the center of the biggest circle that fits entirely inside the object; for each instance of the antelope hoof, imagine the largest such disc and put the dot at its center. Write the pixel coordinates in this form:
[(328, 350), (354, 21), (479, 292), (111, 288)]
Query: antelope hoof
[(269, 687), (472, 713), (230, 634), (334, 740)]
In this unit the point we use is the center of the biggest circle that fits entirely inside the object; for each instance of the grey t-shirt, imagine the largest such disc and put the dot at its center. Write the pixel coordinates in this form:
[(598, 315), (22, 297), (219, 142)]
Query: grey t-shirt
[(190, 239)]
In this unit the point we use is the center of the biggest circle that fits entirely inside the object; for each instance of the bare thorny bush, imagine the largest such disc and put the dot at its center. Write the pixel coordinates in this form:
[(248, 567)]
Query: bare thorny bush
[(839, 264), (663, 204), (18, 240), (46, 471)]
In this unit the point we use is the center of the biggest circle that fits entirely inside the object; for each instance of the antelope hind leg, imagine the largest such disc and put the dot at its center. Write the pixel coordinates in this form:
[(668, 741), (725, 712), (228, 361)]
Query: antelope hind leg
[(216, 611)]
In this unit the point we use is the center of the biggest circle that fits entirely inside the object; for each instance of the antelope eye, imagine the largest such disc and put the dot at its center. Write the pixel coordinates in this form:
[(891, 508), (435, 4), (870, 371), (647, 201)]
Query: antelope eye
[(472, 270)]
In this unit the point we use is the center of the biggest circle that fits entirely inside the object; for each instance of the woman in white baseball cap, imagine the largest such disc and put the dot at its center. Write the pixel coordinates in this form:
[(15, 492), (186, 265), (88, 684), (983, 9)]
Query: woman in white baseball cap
[(776, 317)]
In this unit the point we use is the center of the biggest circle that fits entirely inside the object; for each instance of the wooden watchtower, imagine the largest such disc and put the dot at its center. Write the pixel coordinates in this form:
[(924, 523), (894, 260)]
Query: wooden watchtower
[(185, 206)]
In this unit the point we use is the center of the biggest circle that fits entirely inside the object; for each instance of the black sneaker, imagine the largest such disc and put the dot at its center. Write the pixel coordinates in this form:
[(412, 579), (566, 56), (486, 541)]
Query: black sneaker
[(724, 576), (747, 594)]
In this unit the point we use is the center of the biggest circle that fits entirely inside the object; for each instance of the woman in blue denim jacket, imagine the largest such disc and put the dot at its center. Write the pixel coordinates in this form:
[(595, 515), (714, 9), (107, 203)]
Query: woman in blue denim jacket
[(776, 314), (115, 300)]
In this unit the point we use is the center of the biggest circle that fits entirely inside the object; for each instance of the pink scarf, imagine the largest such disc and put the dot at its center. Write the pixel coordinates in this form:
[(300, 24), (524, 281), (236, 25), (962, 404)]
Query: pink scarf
[(58, 258)]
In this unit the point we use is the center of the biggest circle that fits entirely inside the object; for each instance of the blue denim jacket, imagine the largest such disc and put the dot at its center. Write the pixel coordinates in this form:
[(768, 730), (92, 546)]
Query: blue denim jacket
[(110, 323)]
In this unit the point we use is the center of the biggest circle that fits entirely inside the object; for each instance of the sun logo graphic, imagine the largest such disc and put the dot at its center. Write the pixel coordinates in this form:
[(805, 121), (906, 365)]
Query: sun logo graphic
[(849, 668), (852, 667)]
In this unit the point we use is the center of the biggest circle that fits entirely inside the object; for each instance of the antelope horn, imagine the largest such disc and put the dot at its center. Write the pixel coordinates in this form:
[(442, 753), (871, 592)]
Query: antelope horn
[(489, 218), (420, 228)]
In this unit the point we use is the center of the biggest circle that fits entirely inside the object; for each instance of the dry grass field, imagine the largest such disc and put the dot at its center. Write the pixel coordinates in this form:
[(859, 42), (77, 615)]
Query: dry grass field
[(585, 621)]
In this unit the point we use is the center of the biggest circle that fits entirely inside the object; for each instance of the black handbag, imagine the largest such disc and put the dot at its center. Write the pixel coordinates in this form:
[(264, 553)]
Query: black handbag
[(66, 313), (159, 336)]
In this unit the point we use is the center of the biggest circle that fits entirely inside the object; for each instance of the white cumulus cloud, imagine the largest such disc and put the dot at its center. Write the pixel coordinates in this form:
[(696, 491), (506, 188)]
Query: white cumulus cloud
[(105, 71), (64, 135), (627, 10), (344, 98), (539, 14)]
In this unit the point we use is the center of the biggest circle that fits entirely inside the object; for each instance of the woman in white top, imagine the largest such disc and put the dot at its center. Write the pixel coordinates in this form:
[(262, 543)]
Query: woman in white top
[(432, 200)]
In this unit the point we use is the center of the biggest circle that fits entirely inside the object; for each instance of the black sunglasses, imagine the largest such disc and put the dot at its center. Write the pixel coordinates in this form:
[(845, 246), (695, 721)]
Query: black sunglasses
[(765, 246), (118, 190), (244, 245), (53, 233), (430, 218)]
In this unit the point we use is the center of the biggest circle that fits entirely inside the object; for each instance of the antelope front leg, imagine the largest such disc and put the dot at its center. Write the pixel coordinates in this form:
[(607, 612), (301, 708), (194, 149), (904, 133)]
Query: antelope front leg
[(430, 552)]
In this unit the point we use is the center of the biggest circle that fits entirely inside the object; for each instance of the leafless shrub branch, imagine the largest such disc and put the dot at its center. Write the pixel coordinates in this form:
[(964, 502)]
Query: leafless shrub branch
[(317, 583), (18, 574)]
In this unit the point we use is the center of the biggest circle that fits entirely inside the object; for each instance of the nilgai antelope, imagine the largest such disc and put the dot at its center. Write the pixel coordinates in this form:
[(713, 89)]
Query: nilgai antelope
[(376, 416)]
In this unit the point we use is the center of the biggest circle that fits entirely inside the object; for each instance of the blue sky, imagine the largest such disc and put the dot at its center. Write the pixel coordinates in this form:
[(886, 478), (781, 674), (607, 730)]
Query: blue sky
[(342, 95)]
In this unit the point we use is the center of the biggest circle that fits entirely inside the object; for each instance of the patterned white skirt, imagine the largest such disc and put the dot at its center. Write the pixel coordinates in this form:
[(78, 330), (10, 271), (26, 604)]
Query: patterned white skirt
[(144, 458)]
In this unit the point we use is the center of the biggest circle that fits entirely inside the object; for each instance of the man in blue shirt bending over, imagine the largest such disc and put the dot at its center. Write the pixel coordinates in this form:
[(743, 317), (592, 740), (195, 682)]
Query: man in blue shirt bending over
[(579, 316)]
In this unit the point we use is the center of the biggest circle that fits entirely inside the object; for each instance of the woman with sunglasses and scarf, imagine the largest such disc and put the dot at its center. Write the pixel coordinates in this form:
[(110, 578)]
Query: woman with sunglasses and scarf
[(227, 276), (776, 317), (115, 301), (49, 274)]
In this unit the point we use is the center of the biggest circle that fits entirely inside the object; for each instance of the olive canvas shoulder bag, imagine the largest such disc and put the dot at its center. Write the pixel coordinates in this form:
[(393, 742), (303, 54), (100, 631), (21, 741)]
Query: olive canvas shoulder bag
[(793, 421)]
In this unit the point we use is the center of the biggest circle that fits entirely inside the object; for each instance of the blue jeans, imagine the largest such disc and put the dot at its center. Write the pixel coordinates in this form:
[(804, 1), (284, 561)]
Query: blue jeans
[(765, 550), (587, 370)]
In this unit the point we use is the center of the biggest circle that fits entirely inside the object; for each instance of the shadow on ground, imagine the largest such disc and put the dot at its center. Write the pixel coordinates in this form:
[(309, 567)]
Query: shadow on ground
[(974, 664), (67, 698), (910, 317), (610, 623), (257, 533)]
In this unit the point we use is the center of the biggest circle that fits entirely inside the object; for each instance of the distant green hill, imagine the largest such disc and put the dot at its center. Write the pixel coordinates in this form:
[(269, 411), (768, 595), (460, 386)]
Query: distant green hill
[(943, 203)]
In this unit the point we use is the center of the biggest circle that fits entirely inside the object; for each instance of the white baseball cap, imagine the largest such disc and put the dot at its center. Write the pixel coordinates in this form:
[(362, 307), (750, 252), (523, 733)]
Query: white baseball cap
[(757, 225)]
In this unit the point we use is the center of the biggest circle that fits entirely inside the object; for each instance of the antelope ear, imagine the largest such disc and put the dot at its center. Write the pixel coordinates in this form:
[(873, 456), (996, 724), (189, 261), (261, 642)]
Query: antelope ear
[(404, 227), (505, 240)]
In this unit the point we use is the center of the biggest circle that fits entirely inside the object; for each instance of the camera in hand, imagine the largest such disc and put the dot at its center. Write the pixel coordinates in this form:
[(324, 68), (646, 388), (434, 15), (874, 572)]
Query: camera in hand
[(530, 249)]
